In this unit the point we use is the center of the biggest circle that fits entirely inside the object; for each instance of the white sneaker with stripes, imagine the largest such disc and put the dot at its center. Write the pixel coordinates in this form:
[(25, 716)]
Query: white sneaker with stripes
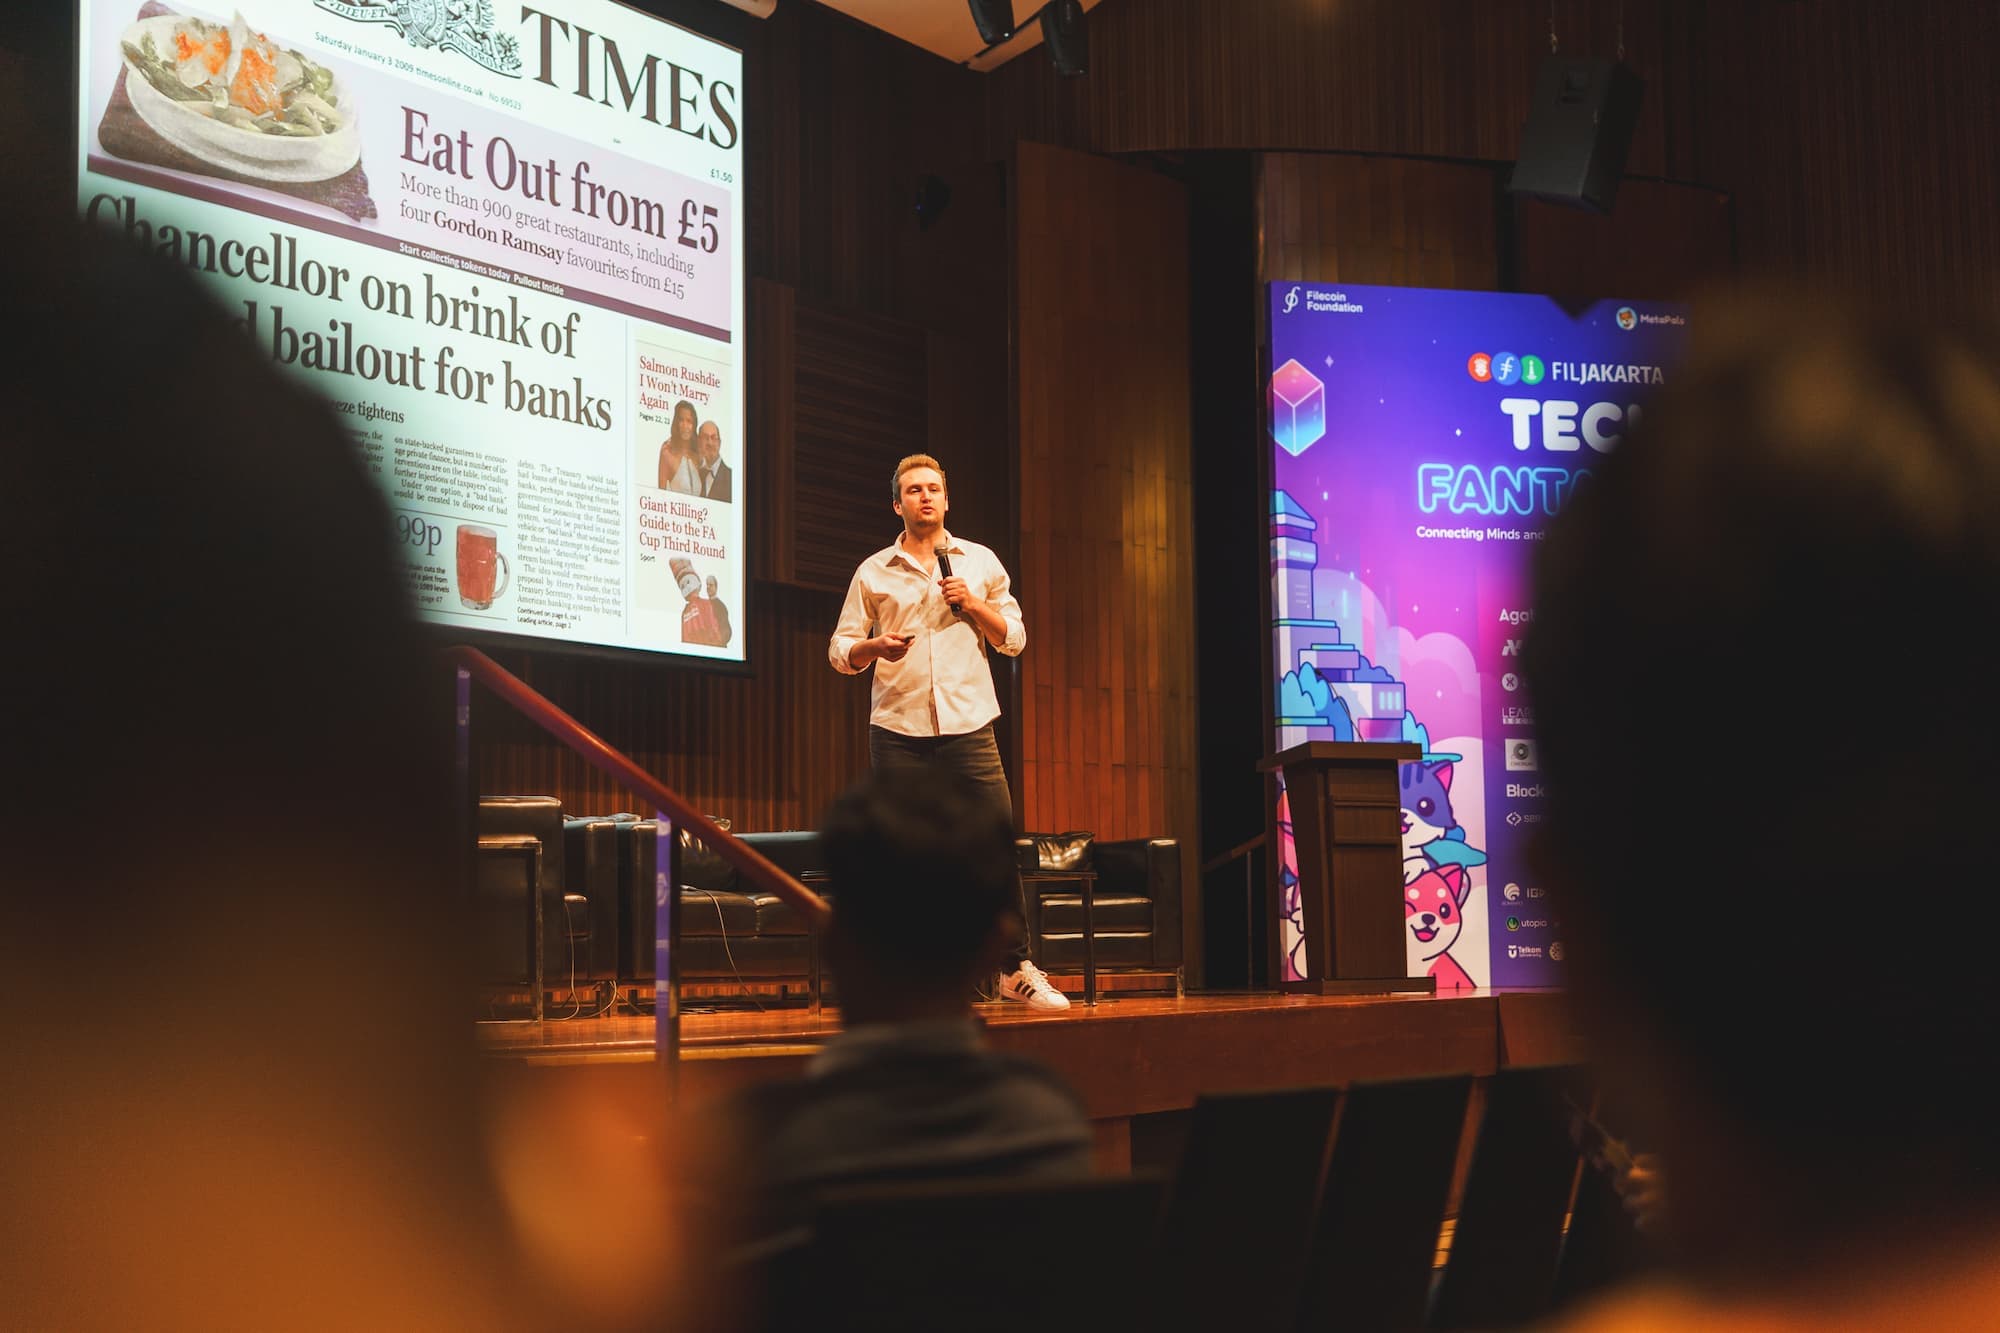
[(1031, 984)]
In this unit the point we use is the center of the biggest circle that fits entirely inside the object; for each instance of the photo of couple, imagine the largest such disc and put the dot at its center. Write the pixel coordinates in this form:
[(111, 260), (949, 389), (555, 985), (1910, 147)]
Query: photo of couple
[(691, 458)]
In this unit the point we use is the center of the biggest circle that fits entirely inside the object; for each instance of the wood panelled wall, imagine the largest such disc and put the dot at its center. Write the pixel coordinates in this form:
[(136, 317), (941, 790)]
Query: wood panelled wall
[(1340, 218), (861, 403), (1661, 242), (1857, 138), (1430, 78), (1107, 565), (843, 120), (1862, 143)]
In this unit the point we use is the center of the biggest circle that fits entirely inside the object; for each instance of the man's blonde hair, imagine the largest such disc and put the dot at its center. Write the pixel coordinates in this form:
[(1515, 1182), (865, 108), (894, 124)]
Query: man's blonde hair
[(909, 462)]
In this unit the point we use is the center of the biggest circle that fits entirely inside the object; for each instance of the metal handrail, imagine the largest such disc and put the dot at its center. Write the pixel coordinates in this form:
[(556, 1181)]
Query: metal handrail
[(1240, 849), (754, 866)]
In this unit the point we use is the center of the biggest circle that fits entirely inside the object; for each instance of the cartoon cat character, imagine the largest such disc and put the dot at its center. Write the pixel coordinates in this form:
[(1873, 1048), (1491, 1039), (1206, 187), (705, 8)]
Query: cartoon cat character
[(1431, 836), (1434, 915)]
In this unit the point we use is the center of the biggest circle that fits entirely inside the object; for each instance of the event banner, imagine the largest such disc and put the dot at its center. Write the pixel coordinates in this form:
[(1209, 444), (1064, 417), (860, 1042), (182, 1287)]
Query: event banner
[(504, 242), (1421, 442)]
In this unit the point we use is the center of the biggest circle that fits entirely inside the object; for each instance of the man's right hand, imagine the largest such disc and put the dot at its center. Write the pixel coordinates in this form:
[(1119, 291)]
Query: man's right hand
[(883, 647)]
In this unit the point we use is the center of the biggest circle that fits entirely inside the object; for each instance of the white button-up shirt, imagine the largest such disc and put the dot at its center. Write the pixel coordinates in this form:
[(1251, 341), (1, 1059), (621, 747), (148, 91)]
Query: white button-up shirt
[(943, 686)]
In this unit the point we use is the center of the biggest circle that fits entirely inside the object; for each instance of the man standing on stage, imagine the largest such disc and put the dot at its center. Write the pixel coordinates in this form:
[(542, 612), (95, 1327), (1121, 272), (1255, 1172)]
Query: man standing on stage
[(922, 611)]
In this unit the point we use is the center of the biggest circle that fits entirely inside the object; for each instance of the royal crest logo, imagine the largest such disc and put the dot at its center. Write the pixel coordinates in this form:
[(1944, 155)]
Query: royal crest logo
[(464, 26)]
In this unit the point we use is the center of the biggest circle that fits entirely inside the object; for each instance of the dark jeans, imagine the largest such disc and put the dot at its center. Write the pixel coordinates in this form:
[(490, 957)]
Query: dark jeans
[(974, 754)]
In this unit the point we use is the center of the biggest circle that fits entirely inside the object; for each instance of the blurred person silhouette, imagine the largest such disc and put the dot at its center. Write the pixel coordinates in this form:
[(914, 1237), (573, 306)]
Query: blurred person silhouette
[(241, 1088), (1735, 704), (909, 1090)]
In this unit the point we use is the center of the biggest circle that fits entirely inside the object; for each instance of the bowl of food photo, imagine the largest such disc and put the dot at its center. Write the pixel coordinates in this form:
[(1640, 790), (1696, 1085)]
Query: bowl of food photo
[(231, 97)]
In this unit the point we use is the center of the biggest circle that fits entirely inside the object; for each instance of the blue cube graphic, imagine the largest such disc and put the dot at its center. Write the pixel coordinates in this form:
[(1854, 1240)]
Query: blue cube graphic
[(1298, 408)]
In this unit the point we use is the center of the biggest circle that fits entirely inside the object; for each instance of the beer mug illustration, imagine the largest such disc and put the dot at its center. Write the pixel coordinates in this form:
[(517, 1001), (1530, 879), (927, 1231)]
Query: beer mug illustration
[(479, 562)]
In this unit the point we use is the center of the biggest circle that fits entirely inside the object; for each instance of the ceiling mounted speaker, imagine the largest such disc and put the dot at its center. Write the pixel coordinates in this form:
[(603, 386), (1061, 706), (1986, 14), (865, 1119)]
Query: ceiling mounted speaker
[(994, 19), (1066, 37), (1578, 132)]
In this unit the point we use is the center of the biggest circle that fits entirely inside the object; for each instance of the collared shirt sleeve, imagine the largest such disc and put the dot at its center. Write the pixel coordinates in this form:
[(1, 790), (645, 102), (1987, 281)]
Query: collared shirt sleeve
[(1000, 596), (852, 627)]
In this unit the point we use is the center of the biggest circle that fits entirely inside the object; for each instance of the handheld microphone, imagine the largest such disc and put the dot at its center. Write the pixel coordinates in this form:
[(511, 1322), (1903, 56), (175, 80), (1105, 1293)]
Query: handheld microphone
[(944, 571)]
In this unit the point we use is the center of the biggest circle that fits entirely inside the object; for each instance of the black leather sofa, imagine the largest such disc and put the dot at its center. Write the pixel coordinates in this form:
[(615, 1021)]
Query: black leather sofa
[(595, 876), (729, 929)]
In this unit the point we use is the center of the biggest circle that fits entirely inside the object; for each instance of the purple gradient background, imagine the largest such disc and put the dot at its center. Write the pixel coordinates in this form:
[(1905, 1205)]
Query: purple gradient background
[(1399, 394)]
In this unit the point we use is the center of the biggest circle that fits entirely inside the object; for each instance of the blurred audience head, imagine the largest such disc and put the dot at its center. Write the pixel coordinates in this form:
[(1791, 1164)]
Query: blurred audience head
[(1768, 751), (248, 1096), (922, 873)]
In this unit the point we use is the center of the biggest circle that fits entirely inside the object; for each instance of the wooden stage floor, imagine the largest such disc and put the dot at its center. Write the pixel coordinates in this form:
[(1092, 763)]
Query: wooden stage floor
[(1126, 1057)]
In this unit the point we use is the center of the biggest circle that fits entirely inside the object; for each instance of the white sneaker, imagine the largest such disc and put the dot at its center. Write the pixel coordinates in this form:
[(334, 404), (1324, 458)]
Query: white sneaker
[(1030, 983)]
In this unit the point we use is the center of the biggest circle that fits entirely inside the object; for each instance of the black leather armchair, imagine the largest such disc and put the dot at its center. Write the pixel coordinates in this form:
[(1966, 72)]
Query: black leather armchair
[(1136, 909)]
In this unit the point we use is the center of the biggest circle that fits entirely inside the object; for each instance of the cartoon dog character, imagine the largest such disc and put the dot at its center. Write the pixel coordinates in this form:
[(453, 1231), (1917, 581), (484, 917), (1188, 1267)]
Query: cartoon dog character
[(1434, 914)]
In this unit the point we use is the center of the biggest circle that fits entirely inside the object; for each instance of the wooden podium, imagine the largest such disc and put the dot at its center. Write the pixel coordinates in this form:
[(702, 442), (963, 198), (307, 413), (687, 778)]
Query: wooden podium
[(1347, 828)]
